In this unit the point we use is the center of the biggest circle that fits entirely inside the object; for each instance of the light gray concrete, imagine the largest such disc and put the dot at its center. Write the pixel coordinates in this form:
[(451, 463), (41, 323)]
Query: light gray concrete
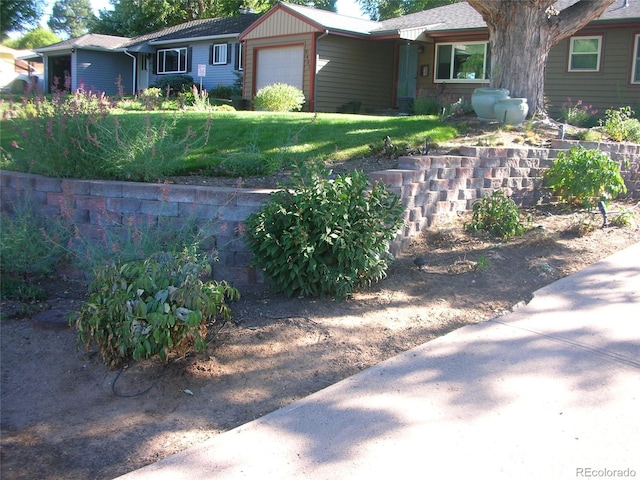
[(546, 392)]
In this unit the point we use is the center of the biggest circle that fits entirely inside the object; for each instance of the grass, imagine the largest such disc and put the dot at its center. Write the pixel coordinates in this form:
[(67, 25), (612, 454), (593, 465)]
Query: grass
[(250, 143)]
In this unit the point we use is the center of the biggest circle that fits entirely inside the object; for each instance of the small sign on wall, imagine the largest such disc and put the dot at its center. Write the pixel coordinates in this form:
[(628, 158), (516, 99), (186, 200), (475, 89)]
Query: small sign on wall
[(202, 70)]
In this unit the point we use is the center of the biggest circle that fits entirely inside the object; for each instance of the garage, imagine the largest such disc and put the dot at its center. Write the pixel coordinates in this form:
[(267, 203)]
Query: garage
[(280, 65)]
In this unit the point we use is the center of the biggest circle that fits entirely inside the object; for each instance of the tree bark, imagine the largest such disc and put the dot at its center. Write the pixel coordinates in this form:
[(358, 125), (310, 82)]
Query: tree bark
[(521, 35)]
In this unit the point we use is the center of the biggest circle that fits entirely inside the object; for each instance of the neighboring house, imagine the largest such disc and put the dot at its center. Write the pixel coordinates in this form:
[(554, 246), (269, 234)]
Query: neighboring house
[(111, 64), (338, 60), (18, 69)]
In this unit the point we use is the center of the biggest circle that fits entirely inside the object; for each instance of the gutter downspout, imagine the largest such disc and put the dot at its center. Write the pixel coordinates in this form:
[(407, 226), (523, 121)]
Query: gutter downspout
[(315, 70), (135, 66)]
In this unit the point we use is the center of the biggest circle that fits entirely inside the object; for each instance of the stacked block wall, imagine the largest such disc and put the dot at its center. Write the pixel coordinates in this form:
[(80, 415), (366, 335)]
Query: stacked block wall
[(433, 188)]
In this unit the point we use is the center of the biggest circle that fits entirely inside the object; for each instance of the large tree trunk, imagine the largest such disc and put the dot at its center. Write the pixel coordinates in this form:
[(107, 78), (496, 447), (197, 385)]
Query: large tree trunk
[(521, 35)]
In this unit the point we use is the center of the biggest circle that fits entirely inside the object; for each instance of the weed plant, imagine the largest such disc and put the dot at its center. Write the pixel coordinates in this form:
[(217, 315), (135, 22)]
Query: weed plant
[(578, 114), (497, 215)]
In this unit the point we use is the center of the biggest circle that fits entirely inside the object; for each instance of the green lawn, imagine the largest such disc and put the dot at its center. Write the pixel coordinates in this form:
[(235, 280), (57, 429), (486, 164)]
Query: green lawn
[(242, 143)]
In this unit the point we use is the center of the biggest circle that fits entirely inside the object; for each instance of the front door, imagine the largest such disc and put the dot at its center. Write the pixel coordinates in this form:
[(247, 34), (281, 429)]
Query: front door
[(143, 72), (407, 76)]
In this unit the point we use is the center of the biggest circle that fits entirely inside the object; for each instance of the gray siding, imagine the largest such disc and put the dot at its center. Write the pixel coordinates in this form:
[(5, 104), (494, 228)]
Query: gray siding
[(216, 74), (608, 88), (354, 70), (99, 71)]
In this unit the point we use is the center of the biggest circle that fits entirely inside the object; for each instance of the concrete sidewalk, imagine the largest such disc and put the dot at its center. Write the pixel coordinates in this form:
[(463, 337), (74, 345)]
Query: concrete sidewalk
[(550, 391)]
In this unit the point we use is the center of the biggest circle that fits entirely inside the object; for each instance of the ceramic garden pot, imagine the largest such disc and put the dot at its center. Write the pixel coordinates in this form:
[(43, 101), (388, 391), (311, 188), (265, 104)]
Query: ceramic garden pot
[(511, 111), (484, 99)]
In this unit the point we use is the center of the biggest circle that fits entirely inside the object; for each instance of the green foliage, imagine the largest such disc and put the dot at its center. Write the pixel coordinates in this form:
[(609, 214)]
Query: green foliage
[(38, 37), (224, 92), (578, 114), (173, 85), (158, 306), (325, 236), (17, 15), (28, 246), (497, 215), (79, 136), (625, 217), (621, 126), (279, 97), (71, 17), (585, 177)]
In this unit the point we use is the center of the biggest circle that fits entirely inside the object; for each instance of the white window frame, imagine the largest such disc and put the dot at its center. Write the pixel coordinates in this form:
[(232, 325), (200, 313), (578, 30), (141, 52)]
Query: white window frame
[(239, 50), (182, 52), (635, 60), (452, 79), (220, 54), (572, 53)]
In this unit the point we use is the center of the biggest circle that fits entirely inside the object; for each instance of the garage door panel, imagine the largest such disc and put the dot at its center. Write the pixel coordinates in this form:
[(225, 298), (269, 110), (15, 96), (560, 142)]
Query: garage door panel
[(280, 65)]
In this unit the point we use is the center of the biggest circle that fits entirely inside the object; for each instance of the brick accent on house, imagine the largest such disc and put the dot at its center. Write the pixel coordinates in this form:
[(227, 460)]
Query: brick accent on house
[(433, 188)]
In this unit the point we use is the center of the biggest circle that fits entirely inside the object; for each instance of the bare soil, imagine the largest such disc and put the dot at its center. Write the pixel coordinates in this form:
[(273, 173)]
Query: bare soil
[(65, 415)]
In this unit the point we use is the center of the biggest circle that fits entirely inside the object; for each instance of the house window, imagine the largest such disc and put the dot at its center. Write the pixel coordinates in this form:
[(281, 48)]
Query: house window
[(584, 54), (239, 56), (462, 62), (219, 54), (635, 69), (172, 60)]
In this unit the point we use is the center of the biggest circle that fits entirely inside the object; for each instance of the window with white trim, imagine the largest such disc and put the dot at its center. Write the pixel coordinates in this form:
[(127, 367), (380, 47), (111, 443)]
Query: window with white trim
[(585, 53), (219, 54), (462, 62), (239, 56), (635, 69), (172, 60)]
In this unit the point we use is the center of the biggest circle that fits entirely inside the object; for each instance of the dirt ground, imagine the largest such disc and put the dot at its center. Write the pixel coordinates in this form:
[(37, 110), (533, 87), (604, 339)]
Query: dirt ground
[(65, 415)]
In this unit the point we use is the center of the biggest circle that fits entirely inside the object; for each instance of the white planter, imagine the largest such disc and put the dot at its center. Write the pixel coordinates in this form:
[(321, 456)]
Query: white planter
[(484, 99), (511, 111)]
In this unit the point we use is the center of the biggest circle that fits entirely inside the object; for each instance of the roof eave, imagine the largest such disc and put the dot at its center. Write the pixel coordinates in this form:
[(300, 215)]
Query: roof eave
[(194, 39)]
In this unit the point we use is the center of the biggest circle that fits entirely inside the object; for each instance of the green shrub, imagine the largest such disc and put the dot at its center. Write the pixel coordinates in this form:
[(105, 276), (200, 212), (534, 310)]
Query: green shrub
[(173, 85), (585, 177), (325, 236), (621, 126), (497, 215), (279, 97), (158, 306), (223, 91)]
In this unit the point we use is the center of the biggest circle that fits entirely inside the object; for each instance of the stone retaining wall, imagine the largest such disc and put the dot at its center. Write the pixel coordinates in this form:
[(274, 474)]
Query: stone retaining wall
[(433, 188)]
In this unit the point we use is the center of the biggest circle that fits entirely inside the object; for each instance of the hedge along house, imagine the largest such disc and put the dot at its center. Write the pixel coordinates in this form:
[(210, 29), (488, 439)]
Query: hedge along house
[(340, 61), (108, 63)]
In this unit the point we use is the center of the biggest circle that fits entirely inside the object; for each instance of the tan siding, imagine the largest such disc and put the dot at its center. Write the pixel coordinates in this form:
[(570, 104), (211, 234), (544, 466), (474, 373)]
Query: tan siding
[(605, 89), (279, 24), (354, 70)]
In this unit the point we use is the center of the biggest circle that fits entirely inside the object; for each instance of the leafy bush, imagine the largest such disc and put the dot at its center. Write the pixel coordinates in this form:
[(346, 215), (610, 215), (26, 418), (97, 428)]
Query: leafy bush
[(497, 215), (578, 114), (158, 306), (585, 176), (223, 91), (620, 125), (279, 97), (173, 85), (325, 236)]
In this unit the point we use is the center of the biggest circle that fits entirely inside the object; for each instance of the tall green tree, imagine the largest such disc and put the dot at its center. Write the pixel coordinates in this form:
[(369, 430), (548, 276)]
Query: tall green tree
[(129, 18), (521, 35), (19, 15), (386, 9), (38, 37), (71, 17)]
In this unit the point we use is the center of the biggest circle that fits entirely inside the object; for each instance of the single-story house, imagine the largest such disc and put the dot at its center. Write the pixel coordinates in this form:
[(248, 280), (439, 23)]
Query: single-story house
[(339, 61), (207, 50)]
